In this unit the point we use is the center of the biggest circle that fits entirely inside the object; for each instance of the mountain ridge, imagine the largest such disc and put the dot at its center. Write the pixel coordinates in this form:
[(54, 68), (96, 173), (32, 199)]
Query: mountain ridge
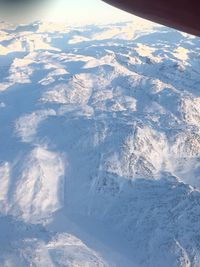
[(99, 134)]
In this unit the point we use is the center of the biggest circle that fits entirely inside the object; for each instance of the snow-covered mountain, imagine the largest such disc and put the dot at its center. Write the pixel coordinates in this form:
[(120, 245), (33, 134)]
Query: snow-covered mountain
[(99, 146)]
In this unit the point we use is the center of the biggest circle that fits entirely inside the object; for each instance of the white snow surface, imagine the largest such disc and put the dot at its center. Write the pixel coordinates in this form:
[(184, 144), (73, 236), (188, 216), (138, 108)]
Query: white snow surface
[(99, 146)]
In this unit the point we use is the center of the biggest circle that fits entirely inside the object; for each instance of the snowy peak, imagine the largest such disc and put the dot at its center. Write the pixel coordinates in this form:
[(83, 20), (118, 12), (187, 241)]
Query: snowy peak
[(100, 146)]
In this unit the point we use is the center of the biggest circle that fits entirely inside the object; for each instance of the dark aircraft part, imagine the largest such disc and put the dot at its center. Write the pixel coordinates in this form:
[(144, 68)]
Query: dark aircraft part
[(183, 15)]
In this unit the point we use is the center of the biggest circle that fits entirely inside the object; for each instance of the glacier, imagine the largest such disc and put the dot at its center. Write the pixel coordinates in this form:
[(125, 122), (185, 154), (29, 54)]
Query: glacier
[(99, 146)]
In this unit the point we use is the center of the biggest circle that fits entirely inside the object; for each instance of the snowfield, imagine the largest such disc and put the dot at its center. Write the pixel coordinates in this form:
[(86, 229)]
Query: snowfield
[(99, 146)]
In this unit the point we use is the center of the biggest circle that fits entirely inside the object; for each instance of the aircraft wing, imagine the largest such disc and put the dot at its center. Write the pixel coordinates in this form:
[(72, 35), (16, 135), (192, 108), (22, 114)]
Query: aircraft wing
[(183, 15)]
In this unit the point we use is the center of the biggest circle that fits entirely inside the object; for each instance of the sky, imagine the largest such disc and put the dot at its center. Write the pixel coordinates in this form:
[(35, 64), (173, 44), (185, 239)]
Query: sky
[(67, 11), (64, 11), (85, 11)]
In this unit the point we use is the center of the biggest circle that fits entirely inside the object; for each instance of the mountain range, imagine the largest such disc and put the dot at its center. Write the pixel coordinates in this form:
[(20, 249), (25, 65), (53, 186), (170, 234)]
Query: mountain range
[(99, 146)]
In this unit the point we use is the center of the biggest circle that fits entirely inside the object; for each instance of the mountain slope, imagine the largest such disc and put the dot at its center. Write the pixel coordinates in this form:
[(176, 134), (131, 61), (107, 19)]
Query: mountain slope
[(100, 146)]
